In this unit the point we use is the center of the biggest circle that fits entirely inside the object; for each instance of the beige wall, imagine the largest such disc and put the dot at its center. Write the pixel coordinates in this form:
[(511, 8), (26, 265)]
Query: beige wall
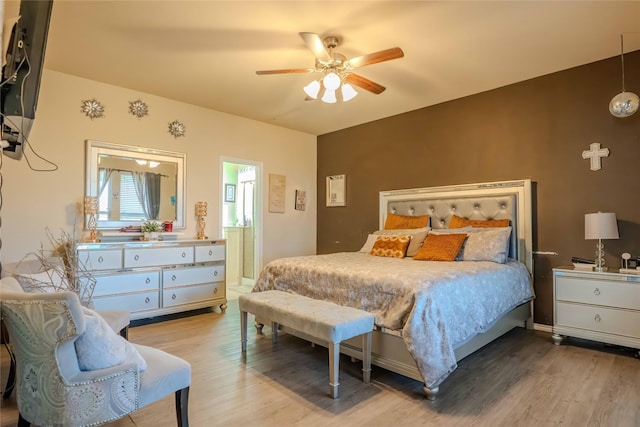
[(535, 129), (33, 200)]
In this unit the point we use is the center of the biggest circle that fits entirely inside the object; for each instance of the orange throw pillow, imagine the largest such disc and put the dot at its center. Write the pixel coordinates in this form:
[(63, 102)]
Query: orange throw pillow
[(458, 222), (441, 247), (396, 222), (391, 246)]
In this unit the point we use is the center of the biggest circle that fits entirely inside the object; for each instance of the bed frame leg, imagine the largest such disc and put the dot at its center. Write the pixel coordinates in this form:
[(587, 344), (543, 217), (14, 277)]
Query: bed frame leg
[(259, 327), (431, 393)]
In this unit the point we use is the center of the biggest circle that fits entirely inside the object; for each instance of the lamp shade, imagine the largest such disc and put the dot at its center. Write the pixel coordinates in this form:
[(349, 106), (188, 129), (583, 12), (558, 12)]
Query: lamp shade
[(600, 225)]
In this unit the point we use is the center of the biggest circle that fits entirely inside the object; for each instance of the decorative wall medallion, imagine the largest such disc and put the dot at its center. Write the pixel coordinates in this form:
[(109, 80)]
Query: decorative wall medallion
[(595, 154), (176, 129), (92, 108), (138, 108)]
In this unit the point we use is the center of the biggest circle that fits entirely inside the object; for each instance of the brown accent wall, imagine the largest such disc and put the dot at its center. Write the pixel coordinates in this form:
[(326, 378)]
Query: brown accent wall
[(535, 129)]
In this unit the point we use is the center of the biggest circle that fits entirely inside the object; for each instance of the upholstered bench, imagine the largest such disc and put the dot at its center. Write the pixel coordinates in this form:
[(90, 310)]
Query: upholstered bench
[(325, 321)]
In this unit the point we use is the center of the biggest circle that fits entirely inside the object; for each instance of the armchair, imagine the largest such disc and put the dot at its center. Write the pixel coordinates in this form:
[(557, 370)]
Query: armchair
[(52, 390)]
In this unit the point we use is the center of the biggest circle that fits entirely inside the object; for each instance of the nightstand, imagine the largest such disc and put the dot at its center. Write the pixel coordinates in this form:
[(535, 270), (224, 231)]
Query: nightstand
[(598, 306)]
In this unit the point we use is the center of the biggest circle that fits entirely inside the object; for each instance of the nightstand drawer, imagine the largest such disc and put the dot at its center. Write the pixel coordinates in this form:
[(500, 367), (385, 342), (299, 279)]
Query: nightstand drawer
[(600, 319), (598, 292)]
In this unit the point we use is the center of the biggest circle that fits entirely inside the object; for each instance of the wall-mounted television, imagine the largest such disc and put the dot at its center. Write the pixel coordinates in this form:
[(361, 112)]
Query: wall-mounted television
[(21, 74)]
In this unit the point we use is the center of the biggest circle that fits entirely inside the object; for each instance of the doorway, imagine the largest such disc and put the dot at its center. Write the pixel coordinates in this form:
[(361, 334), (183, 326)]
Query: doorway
[(241, 221)]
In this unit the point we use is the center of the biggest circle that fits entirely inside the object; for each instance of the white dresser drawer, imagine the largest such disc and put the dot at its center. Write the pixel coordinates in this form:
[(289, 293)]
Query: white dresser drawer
[(600, 319), (190, 294), (599, 292), (149, 257), (191, 276), (139, 301), (119, 283), (104, 259), (209, 253)]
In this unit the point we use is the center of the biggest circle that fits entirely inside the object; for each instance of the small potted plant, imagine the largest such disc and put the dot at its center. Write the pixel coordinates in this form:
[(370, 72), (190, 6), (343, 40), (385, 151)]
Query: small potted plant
[(151, 230)]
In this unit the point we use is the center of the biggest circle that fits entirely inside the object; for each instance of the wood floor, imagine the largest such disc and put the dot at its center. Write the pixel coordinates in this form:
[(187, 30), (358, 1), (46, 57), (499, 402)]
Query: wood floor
[(522, 379)]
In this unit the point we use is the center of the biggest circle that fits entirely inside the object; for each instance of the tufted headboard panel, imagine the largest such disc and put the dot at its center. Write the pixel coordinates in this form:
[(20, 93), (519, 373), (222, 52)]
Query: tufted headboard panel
[(495, 200)]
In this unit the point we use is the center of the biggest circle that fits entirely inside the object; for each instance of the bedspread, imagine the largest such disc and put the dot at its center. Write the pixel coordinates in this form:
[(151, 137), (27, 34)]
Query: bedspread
[(436, 305)]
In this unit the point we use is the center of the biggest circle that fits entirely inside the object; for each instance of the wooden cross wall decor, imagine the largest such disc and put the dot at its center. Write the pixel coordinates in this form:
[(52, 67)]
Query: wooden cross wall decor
[(595, 154)]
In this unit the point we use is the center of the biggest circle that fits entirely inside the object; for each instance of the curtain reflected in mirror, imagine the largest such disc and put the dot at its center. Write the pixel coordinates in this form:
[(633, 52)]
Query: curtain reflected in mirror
[(134, 186)]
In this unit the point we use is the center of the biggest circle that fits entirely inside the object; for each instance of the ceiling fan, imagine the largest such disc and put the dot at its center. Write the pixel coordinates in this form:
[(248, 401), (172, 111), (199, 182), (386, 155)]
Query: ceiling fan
[(337, 69)]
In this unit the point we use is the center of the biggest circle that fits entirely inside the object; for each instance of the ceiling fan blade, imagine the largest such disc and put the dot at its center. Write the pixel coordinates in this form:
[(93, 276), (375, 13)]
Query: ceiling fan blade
[(374, 58), (315, 43), (287, 71), (364, 83)]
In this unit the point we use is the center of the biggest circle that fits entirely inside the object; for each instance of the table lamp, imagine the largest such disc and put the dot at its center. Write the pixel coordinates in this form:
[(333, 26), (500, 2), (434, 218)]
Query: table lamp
[(599, 226), (201, 212), (91, 209)]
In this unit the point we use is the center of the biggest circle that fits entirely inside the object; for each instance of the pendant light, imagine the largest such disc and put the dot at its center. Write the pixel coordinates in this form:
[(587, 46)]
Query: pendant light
[(625, 103)]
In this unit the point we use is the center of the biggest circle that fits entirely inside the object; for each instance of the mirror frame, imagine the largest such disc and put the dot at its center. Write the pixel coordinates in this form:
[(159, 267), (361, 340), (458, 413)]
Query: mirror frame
[(97, 148)]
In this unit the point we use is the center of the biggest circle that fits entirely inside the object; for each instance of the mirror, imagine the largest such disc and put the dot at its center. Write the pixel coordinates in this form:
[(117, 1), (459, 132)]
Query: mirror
[(135, 184)]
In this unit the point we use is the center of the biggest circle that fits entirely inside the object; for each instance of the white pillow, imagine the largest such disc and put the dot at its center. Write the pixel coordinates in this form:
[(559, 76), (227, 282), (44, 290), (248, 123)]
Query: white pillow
[(417, 237), (486, 244), (99, 347), (368, 245), (46, 281)]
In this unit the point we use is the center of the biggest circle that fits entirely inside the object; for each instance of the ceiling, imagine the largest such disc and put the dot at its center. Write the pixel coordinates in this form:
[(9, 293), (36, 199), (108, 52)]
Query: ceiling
[(206, 52)]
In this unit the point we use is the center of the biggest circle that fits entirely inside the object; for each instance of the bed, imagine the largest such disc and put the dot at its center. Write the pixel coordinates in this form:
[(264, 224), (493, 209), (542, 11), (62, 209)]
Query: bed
[(429, 314)]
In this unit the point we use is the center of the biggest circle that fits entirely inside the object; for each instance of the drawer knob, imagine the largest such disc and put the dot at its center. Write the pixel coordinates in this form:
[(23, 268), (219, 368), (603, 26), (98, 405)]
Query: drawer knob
[(597, 318), (210, 252), (148, 280), (173, 277), (137, 257), (173, 296), (215, 291), (596, 291), (147, 300), (184, 254), (100, 259), (215, 273)]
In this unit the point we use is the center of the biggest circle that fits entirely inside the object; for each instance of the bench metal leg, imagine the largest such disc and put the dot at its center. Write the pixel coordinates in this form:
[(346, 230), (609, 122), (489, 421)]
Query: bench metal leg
[(334, 368), (366, 357), (274, 332), (243, 330)]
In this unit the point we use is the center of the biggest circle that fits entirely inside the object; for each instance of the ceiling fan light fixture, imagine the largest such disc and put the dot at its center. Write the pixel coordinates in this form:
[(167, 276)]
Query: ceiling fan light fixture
[(329, 96), (312, 89), (331, 81), (348, 92), (625, 103)]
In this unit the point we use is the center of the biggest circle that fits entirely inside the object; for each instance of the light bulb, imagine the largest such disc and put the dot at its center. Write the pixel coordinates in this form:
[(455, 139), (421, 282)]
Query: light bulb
[(624, 104), (348, 92), (312, 89), (329, 96), (331, 81)]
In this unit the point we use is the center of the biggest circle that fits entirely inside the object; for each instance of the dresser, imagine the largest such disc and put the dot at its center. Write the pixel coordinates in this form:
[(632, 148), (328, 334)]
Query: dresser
[(156, 278), (598, 306)]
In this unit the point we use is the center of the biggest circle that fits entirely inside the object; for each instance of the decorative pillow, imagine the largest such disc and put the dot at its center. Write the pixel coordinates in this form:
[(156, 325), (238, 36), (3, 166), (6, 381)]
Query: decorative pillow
[(417, 237), (488, 244), (368, 245), (458, 222), (46, 281), (397, 222), (441, 247), (99, 347), (391, 246)]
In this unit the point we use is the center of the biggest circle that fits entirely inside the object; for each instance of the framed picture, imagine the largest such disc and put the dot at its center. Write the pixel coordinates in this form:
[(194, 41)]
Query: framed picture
[(277, 187), (336, 190), (230, 193), (301, 197)]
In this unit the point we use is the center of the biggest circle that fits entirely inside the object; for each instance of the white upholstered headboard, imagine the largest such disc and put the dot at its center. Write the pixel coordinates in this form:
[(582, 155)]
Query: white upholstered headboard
[(489, 200)]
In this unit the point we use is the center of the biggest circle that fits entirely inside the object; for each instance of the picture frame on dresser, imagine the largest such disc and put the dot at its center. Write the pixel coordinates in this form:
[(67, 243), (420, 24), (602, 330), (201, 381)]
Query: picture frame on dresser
[(597, 306)]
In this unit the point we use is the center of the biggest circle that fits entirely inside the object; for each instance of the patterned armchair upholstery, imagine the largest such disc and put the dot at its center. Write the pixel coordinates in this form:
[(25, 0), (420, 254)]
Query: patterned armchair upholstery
[(52, 390)]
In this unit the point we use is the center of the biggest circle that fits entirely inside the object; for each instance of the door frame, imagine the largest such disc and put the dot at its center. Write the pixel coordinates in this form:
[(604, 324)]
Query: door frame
[(257, 225)]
